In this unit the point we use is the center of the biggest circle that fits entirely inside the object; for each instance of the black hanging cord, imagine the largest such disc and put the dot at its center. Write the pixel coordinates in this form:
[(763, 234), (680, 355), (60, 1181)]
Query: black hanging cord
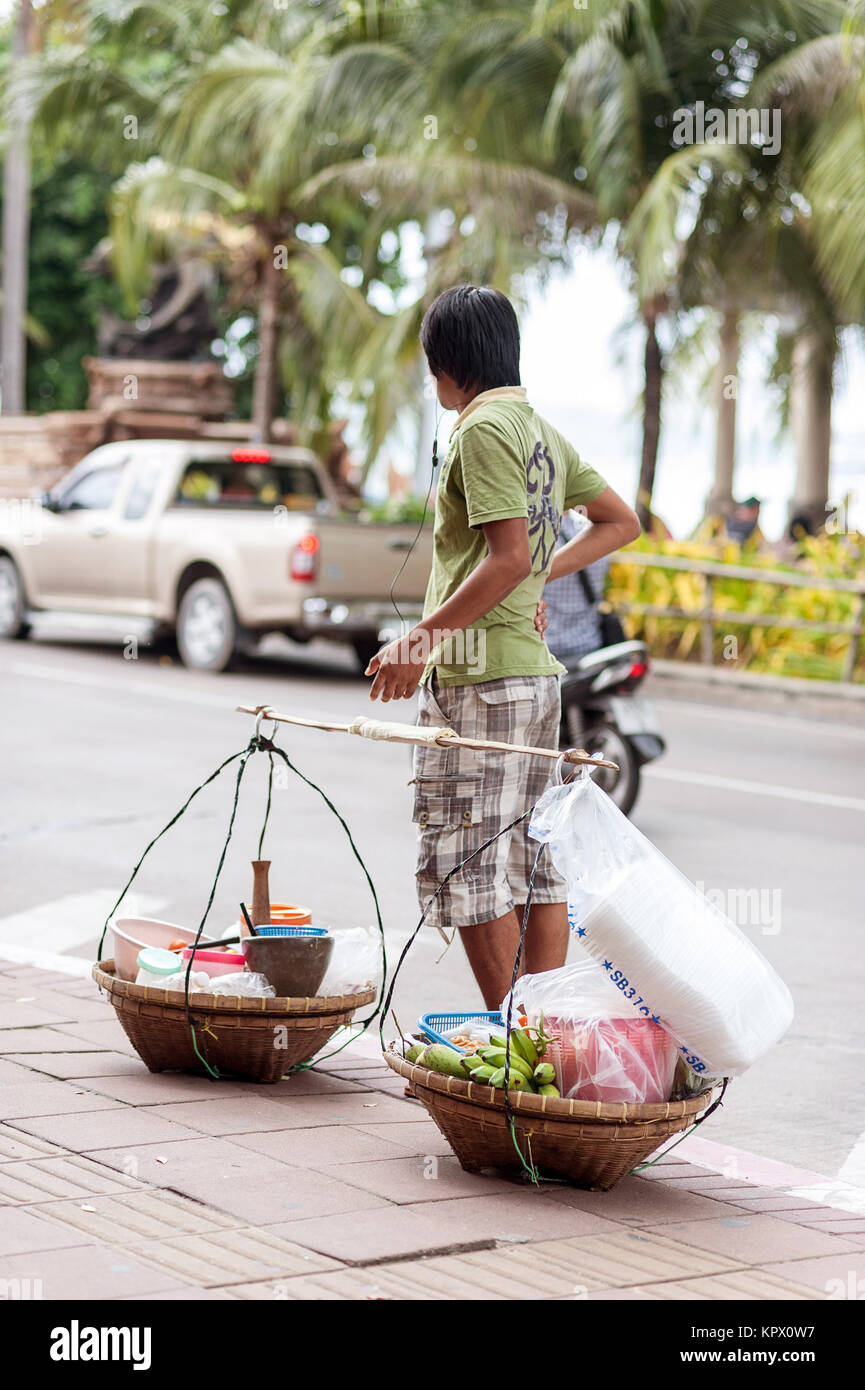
[(445, 881), (163, 831), (256, 744), (266, 744), (408, 553)]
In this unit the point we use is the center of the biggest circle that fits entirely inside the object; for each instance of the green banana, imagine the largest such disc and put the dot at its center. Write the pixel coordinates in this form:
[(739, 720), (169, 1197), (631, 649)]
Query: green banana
[(518, 1082), (549, 1091), (496, 1057), (497, 1040), (525, 1047), (473, 1060), (545, 1074), (483, 1073), (415, 1051), (498, 1079), (444, 1060)]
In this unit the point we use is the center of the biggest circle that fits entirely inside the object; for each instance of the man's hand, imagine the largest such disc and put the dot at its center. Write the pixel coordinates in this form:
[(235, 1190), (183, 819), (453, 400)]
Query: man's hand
[(541, 620), (397, 669)]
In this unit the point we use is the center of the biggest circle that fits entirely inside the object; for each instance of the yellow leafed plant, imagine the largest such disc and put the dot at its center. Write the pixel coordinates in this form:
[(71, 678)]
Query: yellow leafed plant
[(744, 645)]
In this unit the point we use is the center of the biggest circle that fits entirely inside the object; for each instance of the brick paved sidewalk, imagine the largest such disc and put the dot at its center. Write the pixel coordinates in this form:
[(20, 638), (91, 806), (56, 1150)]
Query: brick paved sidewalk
[(117, 1184)]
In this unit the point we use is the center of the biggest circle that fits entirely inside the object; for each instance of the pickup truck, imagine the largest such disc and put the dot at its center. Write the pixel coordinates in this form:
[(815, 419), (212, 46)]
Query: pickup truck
[(215, 544)]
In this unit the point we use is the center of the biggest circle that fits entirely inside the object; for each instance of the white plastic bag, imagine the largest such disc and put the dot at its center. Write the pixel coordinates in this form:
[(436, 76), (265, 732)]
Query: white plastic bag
[(355, 963), (668, 950), (601, 1050), (243, 983)]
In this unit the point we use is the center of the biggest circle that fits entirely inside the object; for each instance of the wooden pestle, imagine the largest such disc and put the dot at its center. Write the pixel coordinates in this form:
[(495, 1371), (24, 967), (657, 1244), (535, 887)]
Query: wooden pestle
[(260, 893)]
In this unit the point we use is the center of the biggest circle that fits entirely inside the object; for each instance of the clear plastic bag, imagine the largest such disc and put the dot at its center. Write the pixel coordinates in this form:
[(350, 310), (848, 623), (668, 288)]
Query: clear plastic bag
[(245, 984), (355, 962), (672, 955), (601, 1052)]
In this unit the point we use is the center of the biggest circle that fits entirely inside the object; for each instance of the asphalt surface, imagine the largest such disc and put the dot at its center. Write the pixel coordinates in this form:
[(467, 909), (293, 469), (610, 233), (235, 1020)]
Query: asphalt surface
[(98, 751)]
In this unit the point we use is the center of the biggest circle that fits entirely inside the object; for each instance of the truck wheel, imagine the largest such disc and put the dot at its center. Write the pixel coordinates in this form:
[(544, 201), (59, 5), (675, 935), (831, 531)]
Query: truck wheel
[(13, 601), (365, 648), (206, 626)]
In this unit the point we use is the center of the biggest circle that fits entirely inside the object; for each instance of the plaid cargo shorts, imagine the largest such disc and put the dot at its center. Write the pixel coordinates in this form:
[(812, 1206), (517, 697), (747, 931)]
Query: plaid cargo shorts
[(462, 797)]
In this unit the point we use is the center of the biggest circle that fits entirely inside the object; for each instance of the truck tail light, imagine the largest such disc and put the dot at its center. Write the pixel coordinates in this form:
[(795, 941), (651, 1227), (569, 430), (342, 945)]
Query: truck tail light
[(304, 558), (251, 455)]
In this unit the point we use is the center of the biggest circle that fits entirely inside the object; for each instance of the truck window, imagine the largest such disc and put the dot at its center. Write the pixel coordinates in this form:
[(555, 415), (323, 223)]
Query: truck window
[(146, 476), (231, 485), (94, 492)]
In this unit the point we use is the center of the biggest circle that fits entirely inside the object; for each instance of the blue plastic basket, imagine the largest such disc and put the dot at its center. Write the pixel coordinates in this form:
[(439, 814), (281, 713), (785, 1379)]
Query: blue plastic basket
[(433, 1025), (276, 929)]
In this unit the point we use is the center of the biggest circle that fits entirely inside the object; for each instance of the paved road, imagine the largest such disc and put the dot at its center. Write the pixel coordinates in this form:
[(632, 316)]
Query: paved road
[(98, 751)]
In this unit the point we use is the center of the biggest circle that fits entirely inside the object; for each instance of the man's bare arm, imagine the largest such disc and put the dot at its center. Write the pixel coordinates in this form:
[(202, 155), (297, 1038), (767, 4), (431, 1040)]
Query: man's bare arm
[(399, 666), (614, 524)]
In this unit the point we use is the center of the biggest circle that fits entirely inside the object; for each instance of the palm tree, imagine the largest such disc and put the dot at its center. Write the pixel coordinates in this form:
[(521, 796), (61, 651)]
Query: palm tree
[(747, 247), (820, 87)]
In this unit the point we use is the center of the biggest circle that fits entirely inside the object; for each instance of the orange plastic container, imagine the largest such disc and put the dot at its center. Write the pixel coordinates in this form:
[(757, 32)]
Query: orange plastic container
[(290, 914)]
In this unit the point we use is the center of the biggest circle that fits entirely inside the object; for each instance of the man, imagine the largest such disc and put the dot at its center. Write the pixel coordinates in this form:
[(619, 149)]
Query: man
[(571, 622), (485, 669), (743, 525)]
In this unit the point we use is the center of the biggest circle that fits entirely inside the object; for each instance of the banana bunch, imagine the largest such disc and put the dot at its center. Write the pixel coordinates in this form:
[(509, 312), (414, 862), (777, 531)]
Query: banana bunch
[(526, 1072)]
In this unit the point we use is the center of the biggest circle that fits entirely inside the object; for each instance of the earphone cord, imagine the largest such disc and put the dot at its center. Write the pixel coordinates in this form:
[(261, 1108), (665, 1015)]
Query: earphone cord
[(408, 553)]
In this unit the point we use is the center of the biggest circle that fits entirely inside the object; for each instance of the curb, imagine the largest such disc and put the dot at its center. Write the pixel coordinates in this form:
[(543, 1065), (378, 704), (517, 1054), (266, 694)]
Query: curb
[(750, 680)]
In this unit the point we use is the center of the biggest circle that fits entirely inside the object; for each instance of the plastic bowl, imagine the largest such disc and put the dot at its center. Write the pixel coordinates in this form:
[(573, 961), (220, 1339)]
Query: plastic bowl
[(280, 929), (133, 933), (216, 962)]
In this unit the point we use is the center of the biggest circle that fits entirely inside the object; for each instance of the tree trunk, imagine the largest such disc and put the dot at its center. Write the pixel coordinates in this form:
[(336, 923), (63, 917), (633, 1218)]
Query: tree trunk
[(811, 419), (720, 499), (16, 229), (266, 385), (653, 370)]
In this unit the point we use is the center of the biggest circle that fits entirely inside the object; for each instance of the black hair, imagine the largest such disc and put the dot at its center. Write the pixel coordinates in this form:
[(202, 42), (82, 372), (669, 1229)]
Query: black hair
[(471, 332)]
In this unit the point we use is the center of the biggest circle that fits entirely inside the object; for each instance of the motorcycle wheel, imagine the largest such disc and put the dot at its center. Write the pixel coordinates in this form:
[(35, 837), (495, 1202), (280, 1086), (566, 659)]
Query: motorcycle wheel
[(623, 786)]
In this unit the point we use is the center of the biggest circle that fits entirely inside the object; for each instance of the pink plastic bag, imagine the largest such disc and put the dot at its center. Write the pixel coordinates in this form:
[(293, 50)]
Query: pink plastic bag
[(602, 1052), (615, 1060)]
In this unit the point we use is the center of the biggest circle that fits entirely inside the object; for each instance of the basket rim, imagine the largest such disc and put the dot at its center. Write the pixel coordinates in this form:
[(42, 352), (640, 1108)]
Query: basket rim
[(551, 1107), (103, 973)]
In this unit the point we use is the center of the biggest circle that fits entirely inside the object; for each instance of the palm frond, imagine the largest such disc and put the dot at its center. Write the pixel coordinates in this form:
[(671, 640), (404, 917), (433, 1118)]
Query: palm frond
[(654, 237)]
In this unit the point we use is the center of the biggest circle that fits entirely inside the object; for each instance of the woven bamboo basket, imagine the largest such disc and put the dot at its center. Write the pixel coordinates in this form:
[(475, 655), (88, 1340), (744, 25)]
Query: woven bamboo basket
[(593, 1144), (258, 1038)]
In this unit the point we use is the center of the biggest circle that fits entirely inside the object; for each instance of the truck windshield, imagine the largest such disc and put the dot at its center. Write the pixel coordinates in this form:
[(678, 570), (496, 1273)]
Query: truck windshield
[(229, 484)]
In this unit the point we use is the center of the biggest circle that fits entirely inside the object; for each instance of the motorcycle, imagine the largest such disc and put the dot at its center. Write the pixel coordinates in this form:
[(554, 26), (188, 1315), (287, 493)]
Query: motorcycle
[(602, 713)]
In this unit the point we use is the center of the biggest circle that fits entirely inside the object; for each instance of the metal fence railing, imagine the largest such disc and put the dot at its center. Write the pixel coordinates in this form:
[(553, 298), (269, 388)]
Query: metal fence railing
[(708, 615)]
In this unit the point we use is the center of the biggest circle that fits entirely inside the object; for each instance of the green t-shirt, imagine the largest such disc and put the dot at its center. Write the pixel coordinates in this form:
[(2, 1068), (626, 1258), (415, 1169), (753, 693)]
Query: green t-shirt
[(504, 460)]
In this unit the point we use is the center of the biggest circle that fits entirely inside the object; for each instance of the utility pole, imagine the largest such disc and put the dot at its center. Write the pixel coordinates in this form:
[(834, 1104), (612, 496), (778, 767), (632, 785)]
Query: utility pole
[(16, 229)]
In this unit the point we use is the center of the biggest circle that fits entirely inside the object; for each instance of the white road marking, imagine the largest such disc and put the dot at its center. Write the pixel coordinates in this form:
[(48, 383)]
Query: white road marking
[(66, 922), (843, 1195), (133, 686), (753, 717), (853, 1168), (46, 960), (194, 696), (739, 784)]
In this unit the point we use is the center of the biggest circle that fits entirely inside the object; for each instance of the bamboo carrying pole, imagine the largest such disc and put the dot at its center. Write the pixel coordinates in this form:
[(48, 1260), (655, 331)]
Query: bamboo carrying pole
[(448, 738)]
